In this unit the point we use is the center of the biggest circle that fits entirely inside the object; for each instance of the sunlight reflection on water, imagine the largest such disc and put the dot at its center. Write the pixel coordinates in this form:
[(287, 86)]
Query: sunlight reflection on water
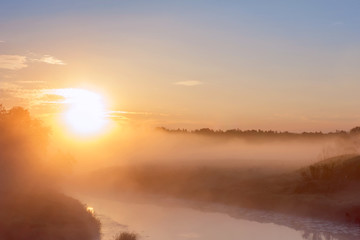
[(90, 210)]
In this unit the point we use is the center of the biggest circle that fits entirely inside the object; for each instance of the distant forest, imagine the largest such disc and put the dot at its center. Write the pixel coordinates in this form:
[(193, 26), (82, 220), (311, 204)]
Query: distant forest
[(262, 134)]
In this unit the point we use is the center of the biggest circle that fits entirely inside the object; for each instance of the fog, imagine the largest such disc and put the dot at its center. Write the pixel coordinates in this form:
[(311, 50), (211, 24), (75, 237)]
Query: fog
[(150, 146), (262, 171)]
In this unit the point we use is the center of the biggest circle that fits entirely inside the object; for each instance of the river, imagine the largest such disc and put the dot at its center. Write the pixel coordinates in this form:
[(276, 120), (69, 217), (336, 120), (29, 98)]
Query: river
[(169, 219)]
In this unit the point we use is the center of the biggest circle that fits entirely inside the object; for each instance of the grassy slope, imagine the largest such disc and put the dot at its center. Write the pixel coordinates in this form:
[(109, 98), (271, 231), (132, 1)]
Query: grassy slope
[(45, 215)]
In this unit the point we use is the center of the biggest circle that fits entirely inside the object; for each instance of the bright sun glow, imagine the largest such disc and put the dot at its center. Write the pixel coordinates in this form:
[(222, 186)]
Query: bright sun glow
[(86, 112)]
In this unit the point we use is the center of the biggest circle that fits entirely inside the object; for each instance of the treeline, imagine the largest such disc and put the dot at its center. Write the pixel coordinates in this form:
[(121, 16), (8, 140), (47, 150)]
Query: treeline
[(261, 133)]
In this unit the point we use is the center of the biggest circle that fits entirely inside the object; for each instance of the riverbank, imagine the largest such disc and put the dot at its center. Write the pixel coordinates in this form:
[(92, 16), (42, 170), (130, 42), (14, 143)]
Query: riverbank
[(44, 215), (328, 192)]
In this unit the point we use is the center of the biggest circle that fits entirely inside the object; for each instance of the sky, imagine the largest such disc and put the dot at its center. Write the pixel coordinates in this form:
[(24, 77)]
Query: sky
[(280, 65)]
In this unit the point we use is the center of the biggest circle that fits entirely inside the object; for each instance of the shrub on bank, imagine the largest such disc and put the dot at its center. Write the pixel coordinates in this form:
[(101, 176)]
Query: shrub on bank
[(126, 236)]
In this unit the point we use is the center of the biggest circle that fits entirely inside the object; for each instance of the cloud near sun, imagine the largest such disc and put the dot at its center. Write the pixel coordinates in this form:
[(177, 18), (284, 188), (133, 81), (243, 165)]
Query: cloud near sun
[(188, 83), (13, 62), (16, 62)]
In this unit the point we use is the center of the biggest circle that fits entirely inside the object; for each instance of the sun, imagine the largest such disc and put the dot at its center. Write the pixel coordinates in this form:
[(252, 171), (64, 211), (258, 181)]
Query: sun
[(86, 111)]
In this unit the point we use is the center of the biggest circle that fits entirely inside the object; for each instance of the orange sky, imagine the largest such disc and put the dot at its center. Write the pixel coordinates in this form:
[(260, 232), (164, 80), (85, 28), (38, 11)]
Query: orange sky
[(187, 65)]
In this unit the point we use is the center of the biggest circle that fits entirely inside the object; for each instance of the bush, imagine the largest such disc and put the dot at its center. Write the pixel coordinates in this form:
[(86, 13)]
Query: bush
[(126, 236), (325, 177)]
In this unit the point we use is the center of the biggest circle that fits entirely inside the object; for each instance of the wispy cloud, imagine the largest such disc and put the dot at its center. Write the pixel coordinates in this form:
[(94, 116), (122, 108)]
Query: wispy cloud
[(30, 82), (188, 83), (50, 102), (16, 62), (126, 112), (122, 113), (49, 60), (13, 62), (52, 98)]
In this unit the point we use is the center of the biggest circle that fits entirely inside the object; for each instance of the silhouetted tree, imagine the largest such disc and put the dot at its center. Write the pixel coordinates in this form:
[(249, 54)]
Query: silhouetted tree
[(23, 142), (355, 130)]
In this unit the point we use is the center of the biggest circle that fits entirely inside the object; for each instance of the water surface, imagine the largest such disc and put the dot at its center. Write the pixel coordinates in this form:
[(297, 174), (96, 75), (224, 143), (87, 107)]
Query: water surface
[(168, 220)]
